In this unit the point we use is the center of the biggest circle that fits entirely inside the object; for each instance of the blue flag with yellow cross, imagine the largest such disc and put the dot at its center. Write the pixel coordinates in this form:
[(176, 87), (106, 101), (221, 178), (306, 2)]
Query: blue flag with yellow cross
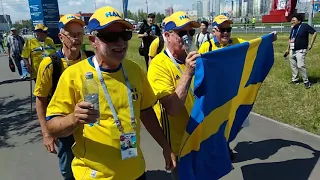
[(226, 84)]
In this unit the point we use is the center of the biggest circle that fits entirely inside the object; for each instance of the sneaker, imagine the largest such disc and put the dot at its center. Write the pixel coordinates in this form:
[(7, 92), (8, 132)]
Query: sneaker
[(307, 85), (295, 82)]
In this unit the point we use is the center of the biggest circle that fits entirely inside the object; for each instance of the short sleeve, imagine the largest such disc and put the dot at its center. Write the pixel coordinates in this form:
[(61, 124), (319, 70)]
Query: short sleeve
[(44, 79), (160, 79), (204, 48), (310, 29), (154, 47), (26, 50), (148, 97), (64, 99)]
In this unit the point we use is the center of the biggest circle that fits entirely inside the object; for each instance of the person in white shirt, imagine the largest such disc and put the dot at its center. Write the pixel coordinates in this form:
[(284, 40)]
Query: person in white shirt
[(204, 35)]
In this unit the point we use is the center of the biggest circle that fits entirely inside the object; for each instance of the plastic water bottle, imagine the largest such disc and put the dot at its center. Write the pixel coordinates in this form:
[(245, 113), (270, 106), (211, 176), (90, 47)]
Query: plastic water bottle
[(91, 93), (188, 44)]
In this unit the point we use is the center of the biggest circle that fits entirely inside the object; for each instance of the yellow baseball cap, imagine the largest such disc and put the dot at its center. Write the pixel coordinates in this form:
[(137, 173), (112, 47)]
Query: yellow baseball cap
[(165, 20), (179, 20), (40, 27), (220, 19), (104, 17), (64, 20)]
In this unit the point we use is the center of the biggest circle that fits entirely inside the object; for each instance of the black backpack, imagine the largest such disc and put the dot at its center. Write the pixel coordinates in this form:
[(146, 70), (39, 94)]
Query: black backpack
[(57, 68), (161, 44)]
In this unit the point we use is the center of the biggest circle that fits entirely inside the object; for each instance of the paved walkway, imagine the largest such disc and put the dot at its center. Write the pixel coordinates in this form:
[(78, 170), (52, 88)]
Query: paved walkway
[(266, 150)]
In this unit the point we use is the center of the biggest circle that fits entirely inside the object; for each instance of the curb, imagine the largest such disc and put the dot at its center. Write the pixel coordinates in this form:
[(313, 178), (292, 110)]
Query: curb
[(286, 125)]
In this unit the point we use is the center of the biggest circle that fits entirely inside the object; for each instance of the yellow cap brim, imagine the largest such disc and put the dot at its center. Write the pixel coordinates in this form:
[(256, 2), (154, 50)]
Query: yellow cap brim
[(43, 29)]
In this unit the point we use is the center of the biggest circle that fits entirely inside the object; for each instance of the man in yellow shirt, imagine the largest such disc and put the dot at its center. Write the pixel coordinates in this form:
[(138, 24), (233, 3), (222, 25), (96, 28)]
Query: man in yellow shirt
[(158, 44), (170, 75), (50, 69), (102, 150), (222, 35), (37, 48)]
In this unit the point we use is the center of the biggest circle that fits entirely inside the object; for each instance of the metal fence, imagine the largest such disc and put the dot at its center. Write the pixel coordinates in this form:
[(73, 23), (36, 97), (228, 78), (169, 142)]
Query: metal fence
[(264, 28)]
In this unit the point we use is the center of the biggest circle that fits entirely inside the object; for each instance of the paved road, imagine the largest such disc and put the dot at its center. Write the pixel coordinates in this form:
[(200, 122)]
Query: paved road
[(266, 150)]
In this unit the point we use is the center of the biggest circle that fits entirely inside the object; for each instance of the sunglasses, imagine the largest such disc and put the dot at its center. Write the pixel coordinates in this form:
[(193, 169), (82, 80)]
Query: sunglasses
[(222, 30), (114, 36), (191, 33)]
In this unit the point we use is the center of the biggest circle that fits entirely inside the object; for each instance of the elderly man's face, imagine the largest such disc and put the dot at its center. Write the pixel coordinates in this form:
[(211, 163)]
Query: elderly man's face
[(112, 41), (175, 40), (72, 36), (223, 32)]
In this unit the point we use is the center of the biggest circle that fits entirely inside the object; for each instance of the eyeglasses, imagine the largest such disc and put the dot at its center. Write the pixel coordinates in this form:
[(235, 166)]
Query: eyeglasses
[(222, 30), (73, 35), (114, 36), (191, 33)]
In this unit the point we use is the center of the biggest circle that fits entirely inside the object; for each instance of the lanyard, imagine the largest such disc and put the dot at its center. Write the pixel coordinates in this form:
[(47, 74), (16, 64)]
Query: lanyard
[(67, 60), (296, 34), (108, 97), (178, 67)]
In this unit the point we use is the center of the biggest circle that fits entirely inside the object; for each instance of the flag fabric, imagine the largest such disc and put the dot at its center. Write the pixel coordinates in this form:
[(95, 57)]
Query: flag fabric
[(226, 85)]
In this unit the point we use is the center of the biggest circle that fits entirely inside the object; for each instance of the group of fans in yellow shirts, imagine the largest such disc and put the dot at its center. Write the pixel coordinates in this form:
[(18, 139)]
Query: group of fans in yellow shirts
[(161, 99)]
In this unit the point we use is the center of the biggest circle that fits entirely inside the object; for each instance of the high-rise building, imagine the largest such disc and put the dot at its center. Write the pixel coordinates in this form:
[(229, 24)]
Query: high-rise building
[(256, 10), (206, 8), (198, 6), (216, 7), (169, 11), (237, 8)]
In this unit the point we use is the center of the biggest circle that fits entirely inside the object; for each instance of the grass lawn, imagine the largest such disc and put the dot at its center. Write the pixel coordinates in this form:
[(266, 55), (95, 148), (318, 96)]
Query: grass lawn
[(277, 99)]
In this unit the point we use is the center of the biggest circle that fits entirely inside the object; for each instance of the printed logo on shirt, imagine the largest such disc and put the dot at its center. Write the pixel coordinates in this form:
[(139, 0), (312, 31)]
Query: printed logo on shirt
[(134, 92)]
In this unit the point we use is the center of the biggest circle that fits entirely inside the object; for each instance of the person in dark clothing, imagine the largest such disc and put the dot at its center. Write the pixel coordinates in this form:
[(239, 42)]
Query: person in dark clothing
[(148, 32), (298, 47)]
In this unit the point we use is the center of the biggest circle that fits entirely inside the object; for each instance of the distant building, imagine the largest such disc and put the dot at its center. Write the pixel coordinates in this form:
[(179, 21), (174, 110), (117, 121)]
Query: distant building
[(216, 7), (206, 9), (199, 6), (5, 22), (169, 11), (193, 14)]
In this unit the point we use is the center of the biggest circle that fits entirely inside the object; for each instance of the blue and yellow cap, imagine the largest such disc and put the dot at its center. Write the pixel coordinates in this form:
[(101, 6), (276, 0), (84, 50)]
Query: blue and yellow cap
[(165, 20), (104, 17), (40, 27), (64, 20), (220, 19), (179, 20)]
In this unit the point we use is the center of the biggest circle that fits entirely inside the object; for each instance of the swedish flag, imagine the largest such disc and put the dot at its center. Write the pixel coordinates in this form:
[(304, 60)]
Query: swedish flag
[(226, 84)]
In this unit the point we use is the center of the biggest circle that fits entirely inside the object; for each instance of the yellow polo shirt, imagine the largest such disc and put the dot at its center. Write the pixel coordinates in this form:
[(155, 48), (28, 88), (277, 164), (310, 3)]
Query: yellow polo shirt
[(154, 47), (204, 48), (36, 51), (97, 149), (43, 87), (164, 78)]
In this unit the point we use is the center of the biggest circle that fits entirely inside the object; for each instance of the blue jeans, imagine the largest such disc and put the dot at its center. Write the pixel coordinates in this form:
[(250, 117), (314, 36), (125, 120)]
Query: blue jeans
[(24, 68), (65, 156)]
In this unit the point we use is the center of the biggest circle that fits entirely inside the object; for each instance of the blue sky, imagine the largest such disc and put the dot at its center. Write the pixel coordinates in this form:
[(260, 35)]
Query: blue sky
[(19, 9)]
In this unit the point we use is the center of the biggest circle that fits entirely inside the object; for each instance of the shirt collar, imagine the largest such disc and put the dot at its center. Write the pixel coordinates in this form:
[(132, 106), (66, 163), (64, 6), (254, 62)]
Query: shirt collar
[(215, 40)]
